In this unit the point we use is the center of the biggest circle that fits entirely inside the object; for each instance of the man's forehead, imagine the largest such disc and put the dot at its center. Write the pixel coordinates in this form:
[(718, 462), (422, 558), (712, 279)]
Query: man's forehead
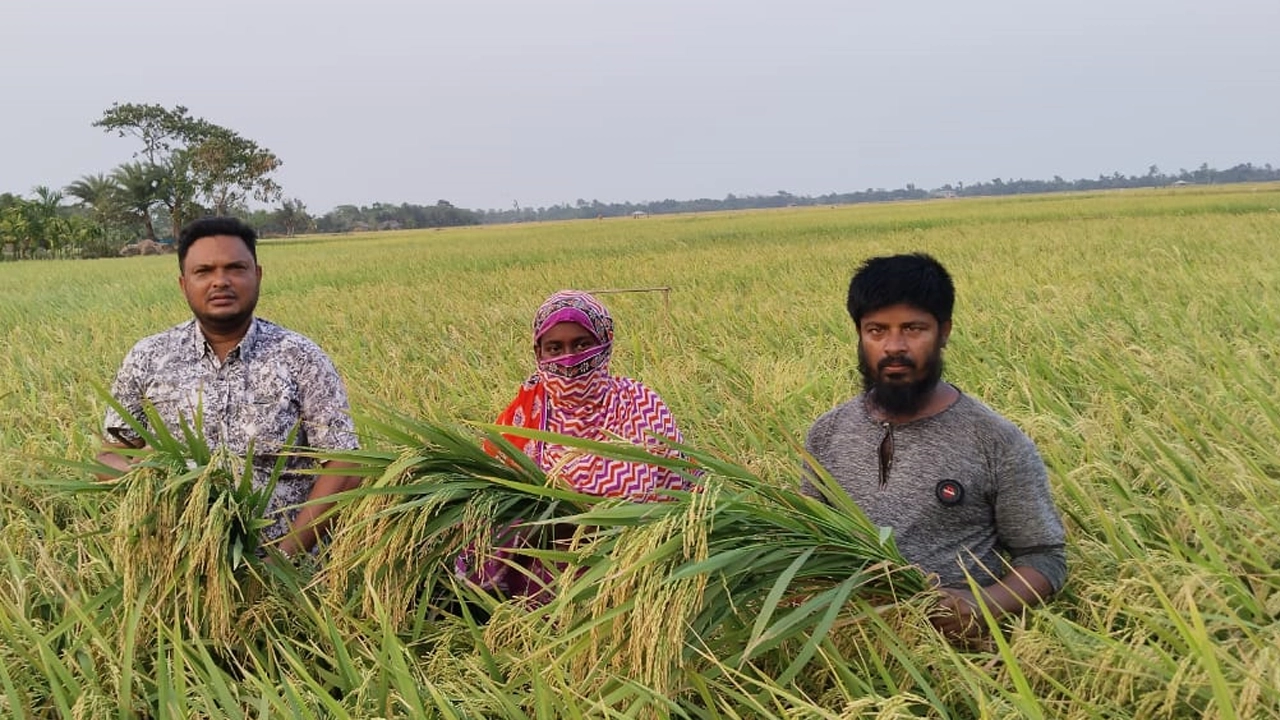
[(898, 313), (222, 248)]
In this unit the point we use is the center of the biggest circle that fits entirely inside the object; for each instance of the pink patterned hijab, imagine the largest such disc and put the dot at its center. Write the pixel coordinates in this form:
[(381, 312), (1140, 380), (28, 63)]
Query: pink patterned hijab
[(575, 395), (578, 382)]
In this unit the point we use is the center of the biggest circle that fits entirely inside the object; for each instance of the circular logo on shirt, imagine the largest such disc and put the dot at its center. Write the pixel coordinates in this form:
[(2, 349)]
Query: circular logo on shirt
[(949, 492)]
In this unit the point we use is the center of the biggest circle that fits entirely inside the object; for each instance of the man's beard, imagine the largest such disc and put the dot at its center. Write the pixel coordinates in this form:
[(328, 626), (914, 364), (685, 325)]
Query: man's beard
[(227, 323), (901, 398)]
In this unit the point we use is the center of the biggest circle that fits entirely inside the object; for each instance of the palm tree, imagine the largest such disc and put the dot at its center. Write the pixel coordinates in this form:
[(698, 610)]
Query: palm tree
[(95, 192), (138, 191), (47, 199), (42, 214)]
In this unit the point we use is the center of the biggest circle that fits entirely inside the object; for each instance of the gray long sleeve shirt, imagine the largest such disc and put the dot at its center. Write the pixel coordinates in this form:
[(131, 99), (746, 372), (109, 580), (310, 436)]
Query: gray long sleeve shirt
[(966, 489)]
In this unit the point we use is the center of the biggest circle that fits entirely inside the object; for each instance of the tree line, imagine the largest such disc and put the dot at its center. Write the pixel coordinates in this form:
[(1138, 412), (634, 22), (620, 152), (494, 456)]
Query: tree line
[(183, 167), (582, 209), (358, 218), (186, 167)]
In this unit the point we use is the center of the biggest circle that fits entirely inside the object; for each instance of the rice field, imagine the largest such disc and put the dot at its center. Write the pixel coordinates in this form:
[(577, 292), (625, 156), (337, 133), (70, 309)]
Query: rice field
[(1134, 335)]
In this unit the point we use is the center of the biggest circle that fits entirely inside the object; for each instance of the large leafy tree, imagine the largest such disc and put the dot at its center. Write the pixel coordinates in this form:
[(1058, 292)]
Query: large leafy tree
[(205, 165), (161, 130), (228, 169)]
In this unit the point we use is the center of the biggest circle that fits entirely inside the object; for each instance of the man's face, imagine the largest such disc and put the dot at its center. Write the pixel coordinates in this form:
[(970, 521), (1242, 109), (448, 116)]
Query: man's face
[(220, 279), (900, 356)]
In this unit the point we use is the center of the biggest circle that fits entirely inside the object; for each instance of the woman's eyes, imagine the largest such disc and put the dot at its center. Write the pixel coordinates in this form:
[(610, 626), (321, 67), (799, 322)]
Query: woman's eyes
[(556, 348)]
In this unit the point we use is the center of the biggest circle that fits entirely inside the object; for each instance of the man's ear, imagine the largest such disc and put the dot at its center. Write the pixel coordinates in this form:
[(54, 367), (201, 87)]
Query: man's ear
[(944, 333)]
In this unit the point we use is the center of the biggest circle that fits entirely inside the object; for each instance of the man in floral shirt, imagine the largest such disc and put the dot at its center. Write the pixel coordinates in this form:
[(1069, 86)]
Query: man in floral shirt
[(253, 383)]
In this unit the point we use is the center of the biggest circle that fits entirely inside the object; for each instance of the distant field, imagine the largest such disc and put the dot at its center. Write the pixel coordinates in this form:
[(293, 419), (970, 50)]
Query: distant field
[(1135, 336)]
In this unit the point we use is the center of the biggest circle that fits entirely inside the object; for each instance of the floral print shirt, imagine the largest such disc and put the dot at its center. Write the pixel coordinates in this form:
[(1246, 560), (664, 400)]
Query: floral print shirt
[(273, 382)]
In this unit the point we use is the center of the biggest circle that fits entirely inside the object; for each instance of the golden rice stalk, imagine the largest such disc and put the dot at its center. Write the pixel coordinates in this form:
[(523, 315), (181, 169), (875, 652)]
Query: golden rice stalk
[(210, 583), (171, 543), (376, 554), (646, 641), (143, 531)]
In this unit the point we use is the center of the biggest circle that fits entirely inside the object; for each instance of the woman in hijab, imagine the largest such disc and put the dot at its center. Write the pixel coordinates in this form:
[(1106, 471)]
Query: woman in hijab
[(572, 393)]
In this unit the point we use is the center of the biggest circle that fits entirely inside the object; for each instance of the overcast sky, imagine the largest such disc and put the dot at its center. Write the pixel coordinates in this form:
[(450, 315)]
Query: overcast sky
[(489, 102)]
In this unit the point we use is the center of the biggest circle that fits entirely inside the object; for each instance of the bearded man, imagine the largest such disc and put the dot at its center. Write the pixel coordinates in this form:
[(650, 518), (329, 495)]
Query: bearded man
[(253, 384), (964, 490)]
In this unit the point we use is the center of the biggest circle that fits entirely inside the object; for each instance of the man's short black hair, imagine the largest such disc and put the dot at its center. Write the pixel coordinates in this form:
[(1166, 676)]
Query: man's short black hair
[(916, 279), (210, 226)]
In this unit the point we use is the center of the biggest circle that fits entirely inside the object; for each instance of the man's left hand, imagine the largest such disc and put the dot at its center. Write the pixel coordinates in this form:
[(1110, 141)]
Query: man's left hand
[(958, 616)]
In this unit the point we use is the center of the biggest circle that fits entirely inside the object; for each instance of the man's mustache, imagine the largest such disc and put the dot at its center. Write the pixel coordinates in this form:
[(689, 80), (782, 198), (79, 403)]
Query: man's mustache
[(896, 361)]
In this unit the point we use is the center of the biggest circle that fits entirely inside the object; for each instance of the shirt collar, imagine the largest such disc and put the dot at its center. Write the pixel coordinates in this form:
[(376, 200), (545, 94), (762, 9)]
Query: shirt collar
[(249, 343), (193, 342), (197, 346)]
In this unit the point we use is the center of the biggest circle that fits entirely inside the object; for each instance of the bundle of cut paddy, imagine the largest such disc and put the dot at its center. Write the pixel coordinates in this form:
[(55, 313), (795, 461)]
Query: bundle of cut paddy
[(185, 532), (740, 573)]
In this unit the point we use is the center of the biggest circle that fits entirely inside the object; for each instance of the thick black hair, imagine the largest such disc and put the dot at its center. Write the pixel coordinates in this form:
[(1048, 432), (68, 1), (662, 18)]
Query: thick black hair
[(210, 226), (916, 279)]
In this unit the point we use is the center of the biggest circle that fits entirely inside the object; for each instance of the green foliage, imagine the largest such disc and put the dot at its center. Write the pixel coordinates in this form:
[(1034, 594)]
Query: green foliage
[(42, 228), (384, 216), (136, 192), (188, 166), (160, 129), (290, 219), (229, 169), (202, 164)]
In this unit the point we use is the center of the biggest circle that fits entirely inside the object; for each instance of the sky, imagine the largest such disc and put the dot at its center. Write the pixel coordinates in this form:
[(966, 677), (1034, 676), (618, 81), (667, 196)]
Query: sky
[(490, 103)]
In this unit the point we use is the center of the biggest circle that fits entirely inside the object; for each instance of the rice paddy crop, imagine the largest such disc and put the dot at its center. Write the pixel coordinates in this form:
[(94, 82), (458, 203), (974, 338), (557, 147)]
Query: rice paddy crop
[(1134, 335)]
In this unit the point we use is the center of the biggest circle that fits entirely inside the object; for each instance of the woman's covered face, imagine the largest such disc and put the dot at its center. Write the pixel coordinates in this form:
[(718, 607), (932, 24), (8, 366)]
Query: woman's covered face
[(563, 339)]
